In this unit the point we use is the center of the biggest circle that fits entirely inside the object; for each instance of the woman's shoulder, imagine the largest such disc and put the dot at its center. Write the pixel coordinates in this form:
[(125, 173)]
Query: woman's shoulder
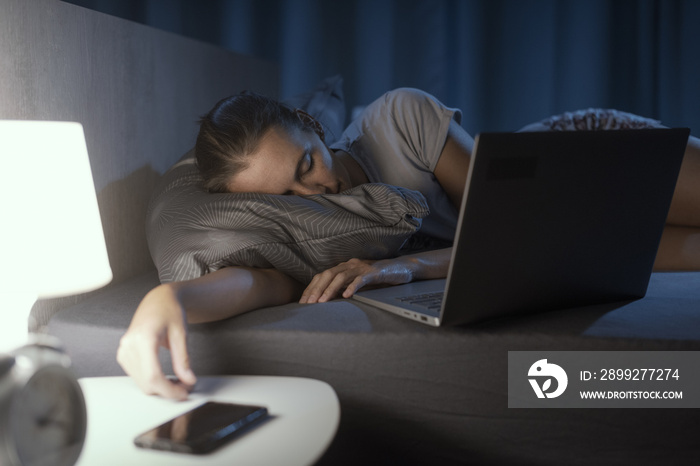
[(404, 101)]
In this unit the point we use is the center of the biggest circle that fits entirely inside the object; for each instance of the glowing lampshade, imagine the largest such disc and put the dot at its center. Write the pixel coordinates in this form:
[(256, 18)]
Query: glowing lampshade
[(51, 238)]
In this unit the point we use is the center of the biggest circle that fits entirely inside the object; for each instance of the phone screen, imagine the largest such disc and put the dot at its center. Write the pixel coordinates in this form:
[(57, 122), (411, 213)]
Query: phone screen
[(202, 429)]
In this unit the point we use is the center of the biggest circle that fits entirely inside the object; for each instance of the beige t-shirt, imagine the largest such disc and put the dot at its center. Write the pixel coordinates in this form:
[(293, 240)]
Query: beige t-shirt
[(398, 140)]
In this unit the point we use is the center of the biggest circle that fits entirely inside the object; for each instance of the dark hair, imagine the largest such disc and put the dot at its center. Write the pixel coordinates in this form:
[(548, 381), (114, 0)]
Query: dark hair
[(232, 130)]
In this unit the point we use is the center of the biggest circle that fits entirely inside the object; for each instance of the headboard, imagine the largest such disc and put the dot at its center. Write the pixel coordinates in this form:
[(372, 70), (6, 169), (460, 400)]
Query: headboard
[(137, 91)]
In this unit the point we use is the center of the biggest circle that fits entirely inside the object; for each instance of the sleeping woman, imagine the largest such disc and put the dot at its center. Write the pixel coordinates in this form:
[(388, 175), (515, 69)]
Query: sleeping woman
[(249, 143)]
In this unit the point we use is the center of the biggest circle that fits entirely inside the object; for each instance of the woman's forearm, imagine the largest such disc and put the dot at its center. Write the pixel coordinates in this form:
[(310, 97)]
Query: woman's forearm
[(427, 265), (232, 291)]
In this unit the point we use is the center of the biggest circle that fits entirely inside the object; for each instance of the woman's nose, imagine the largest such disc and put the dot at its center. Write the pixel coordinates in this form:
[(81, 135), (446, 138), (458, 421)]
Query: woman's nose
[(319, 183), (309, 189)]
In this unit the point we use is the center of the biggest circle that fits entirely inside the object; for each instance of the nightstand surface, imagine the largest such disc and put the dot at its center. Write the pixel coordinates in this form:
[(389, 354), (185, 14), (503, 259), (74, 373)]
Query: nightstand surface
[(304, 416)]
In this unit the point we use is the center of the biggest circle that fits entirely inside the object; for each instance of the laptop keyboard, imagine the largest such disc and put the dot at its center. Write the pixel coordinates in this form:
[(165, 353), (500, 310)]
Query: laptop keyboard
[(431, 301)]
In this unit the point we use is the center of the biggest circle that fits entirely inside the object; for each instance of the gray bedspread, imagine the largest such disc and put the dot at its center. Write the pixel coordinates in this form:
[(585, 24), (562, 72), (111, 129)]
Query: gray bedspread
[(411, 394)]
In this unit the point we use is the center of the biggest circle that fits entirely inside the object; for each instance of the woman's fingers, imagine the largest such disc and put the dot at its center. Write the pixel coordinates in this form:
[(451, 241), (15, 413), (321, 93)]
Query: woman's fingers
[(341, 282), (158, 321), (138, 356), (177, 341), (345, 278), (355, 285)]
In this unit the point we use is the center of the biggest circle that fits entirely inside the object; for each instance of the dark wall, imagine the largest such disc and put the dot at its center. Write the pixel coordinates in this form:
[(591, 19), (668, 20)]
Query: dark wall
[(504, 62)]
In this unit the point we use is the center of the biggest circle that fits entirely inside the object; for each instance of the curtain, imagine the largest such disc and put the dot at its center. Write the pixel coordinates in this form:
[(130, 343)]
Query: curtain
[(505, 63)]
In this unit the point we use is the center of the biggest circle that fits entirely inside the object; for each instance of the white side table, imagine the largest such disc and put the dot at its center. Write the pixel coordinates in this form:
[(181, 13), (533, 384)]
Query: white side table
[(304, 418)]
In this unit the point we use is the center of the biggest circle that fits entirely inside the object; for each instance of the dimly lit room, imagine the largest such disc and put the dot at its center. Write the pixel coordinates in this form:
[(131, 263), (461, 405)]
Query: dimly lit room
[(315, 232)]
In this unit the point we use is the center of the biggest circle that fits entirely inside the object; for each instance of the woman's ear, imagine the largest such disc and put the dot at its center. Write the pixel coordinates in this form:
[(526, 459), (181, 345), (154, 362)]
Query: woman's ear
[(311, 122)]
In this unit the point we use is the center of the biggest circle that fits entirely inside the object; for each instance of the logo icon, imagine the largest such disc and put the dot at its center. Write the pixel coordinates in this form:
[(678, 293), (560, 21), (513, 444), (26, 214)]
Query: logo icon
[(542, 370)]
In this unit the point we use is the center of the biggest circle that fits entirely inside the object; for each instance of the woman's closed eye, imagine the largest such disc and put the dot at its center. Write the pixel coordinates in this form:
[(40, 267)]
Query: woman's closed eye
[(304, 168), (306, 165)]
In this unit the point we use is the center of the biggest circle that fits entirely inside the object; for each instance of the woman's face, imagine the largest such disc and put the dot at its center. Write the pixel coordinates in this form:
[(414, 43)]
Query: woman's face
[(291, 162)]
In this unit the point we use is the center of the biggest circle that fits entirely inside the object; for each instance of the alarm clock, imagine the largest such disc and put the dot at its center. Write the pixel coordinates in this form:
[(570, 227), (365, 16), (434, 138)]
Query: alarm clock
[(43, 418)]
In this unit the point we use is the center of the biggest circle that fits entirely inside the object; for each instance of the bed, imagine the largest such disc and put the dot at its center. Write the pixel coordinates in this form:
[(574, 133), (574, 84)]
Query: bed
[(409, 394)]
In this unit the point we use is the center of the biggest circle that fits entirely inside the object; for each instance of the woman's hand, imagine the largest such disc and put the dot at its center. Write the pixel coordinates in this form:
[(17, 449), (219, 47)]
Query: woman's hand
[(159, 321), (346, 278)]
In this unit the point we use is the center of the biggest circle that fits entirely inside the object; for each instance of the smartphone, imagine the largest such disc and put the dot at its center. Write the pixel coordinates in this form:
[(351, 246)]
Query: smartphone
[(203, 429)]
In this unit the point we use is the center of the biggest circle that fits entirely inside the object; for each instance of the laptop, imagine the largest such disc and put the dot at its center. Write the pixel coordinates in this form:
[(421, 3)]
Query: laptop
[(550, 220)]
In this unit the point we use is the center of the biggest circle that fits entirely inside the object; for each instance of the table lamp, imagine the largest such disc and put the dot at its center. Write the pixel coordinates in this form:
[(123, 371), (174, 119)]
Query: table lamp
[(51, 238)]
